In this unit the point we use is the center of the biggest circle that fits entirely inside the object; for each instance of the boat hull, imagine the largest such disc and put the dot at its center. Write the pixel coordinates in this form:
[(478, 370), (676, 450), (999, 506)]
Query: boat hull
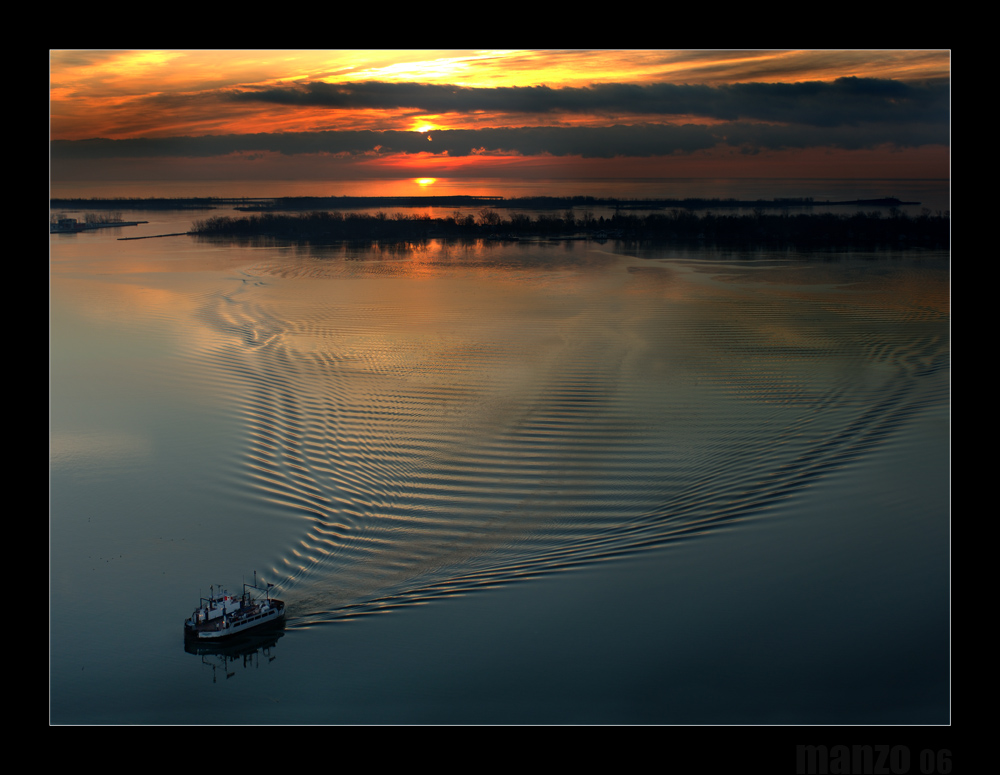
[(221, 629)]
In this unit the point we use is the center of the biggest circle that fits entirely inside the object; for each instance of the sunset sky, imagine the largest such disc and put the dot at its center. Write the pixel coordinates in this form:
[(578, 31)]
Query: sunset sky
[(553, 114)]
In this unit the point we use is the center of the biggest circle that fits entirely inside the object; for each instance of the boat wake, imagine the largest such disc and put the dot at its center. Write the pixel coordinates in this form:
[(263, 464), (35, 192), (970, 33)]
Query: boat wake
[(440, 425)]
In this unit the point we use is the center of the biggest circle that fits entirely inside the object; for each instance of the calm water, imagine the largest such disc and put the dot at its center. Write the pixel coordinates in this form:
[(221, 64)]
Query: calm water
[(540, 483)]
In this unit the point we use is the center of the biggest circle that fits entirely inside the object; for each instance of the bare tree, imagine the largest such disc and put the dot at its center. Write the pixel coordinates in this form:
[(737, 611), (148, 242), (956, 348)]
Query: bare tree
[(489, 217)]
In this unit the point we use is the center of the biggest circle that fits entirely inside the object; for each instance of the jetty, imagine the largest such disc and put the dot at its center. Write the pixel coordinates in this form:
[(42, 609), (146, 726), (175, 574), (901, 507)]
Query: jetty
[(154, 236)]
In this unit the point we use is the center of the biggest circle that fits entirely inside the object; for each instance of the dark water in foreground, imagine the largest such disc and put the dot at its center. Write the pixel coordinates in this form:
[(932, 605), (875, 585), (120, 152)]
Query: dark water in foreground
[(536, 483)]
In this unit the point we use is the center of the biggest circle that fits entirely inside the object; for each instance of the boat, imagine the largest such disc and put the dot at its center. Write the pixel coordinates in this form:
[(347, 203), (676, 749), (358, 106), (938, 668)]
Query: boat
[(222, 615)]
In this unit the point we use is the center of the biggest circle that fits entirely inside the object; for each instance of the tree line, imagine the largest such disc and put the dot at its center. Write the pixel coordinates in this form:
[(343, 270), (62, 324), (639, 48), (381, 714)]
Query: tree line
[(861, 229)]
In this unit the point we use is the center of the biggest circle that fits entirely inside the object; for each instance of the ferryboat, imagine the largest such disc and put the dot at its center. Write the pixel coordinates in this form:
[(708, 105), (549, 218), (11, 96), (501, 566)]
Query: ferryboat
[(222, 615)]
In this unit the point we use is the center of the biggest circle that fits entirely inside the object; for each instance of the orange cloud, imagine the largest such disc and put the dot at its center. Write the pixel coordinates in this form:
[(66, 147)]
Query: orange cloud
[(159, 93)]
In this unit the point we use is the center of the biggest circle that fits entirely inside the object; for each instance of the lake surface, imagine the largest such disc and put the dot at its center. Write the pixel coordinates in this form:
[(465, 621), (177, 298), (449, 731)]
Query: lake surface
[(565, 482)]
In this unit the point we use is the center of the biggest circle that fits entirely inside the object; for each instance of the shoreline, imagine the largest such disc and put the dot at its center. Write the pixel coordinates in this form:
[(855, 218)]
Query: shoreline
[(860, 230)]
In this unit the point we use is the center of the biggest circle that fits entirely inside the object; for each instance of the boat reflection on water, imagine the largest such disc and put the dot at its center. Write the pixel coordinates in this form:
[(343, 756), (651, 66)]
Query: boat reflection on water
[(250, 650)]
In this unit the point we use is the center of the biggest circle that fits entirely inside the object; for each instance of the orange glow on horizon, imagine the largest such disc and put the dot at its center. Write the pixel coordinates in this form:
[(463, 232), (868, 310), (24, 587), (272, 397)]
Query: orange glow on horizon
[(121, 95), (931, 162)]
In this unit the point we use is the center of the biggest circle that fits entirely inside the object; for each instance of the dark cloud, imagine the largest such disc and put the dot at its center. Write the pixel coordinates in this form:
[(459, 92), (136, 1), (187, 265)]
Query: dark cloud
[(604, 142), (843, 102), (848, 113)]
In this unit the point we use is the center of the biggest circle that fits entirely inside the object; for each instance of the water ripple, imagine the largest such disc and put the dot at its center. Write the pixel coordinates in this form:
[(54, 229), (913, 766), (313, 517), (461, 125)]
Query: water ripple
[(469, 425)]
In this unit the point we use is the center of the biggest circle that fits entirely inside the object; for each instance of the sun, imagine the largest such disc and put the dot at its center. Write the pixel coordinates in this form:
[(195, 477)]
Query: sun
[(424, 124)]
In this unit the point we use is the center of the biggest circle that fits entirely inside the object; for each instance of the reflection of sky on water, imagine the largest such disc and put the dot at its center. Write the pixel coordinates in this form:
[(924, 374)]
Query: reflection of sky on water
[(563, 436)]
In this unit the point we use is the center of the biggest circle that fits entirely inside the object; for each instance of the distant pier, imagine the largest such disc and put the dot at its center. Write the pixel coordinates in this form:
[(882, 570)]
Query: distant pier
[(154, 236)]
